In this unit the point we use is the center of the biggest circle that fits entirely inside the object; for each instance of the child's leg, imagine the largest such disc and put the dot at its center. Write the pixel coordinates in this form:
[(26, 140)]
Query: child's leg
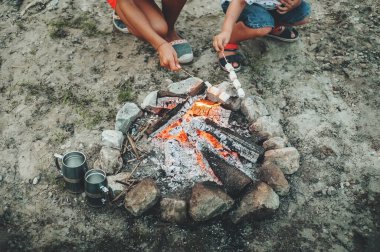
[(171, 10), (255, 21), (145, 12), (242, 32)]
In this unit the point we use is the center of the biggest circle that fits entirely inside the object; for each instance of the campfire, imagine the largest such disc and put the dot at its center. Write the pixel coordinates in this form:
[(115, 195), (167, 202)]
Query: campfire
[(194, 134)]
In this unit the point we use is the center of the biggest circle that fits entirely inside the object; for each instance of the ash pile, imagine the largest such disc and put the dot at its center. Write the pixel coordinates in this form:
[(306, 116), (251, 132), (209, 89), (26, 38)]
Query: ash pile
[(195, 152)]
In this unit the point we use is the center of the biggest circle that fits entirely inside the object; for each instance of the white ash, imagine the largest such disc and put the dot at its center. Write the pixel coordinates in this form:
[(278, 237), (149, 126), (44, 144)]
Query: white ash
[(180, 162), (180, 159)]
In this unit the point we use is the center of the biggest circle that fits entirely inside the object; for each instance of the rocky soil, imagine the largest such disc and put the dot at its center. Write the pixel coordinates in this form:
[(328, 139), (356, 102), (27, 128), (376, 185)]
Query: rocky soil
[(64, 74)]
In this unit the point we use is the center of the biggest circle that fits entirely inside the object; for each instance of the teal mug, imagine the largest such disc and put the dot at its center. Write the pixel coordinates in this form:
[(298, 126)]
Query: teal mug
[(96, 188), (74, 166)]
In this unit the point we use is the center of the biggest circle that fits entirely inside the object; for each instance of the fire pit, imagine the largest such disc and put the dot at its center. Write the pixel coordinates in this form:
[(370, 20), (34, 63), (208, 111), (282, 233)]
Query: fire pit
[(200, 154)]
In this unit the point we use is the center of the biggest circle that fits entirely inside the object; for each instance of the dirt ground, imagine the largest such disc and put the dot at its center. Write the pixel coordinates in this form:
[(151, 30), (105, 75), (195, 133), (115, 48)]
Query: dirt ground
[(64, 74)]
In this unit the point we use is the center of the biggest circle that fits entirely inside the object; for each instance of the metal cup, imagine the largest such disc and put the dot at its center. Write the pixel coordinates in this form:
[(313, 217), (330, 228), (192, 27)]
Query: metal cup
[(96, 188), (74, 166)]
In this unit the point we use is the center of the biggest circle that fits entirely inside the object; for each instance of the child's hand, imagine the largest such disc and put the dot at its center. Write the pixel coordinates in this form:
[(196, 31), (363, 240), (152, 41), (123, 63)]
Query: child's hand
[(221, 40), (287, 5), (168, 57)]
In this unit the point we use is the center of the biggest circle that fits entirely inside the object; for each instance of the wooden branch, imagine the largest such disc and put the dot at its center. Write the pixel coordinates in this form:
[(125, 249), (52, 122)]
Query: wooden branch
[(133, 145)]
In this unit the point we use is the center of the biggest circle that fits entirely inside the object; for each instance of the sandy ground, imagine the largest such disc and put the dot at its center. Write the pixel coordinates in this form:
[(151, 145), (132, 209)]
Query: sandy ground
[(64, 74)]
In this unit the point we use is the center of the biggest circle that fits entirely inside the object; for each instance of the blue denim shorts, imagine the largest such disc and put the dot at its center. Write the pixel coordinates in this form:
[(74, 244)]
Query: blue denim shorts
[(255, 16)]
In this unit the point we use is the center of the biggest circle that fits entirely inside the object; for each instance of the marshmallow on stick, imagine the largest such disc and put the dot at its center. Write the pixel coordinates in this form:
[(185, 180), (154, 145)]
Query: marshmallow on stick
[(236, 84), (234, 79), (233, 75), (229, 67), (241, 93)]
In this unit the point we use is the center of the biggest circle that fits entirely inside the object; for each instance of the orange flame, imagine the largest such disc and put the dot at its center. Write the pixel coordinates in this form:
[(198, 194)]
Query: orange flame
[(175, 131)]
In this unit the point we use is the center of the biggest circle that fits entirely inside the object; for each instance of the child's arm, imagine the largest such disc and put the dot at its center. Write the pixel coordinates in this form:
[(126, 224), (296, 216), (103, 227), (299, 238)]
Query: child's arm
[(232, 15)]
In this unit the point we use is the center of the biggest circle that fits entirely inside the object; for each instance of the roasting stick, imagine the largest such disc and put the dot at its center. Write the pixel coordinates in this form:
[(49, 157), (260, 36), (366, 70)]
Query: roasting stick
[(188, 73)]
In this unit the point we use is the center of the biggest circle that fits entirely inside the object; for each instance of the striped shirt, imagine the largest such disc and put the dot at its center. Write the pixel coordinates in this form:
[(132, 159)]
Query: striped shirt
[(267, 4)]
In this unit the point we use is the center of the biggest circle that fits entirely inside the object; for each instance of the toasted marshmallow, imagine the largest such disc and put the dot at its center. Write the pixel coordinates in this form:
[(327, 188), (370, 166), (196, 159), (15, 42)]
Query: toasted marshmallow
[(224, 96), (214, 91), (208, 84)]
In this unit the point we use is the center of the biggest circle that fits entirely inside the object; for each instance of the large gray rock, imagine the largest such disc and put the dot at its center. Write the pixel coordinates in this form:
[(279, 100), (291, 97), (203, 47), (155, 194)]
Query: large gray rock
[(266, 127), (150, 102), (274, 143), (274, 177), (110, 160), (253, 108), (113, 139), (142, 197), (190, 86), (116, 187), (258, 203), (126, 116), (287, 159), (173, 210), (208, 201)]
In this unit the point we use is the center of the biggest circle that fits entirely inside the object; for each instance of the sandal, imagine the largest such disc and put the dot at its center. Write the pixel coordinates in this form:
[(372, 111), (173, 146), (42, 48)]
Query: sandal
[(286, 35), (235, 58), (183, 50), (118, 24)]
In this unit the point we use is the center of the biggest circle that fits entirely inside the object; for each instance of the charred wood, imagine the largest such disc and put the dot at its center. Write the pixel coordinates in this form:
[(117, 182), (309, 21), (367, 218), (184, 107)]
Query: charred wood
[(171, 116), (244, 146), (233, 179), (166, 117)]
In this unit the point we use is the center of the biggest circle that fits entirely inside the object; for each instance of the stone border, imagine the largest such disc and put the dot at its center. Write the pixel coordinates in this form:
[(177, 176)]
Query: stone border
[(207, 200)]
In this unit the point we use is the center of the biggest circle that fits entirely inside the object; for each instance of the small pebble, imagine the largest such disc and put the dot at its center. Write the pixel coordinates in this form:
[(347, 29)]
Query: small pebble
[(331, 191), (324, 191), (36, 180), (1, 178)]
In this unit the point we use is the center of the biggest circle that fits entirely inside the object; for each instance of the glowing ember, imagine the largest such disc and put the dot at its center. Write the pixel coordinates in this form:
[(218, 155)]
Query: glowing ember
[(179, 131)]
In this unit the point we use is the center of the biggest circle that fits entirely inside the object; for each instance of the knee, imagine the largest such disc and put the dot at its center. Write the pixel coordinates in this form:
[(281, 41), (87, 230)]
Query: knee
[(161, 28)]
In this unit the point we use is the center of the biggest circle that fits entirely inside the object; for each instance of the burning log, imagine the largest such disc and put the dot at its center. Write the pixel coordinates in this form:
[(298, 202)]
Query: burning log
[(165, 118), (245, 146), (172, 115), (233, 179), (156, 103), (164, 93)]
